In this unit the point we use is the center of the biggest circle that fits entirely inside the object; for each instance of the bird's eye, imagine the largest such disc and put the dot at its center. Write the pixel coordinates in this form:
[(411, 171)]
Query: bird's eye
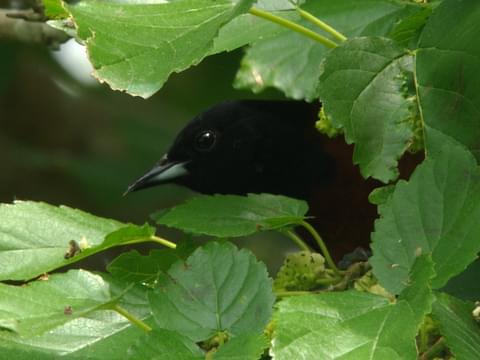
[(205, 140)]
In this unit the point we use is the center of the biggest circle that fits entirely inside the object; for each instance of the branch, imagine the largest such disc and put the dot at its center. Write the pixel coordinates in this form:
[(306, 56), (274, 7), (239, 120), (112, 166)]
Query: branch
[(15, 27)]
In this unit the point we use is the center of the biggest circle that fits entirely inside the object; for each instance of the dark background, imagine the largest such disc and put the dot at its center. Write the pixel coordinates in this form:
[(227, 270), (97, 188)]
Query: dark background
[(66, 142)]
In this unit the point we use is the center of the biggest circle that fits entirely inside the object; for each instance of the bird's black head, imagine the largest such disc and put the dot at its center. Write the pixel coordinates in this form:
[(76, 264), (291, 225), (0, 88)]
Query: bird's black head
[(240, 147)]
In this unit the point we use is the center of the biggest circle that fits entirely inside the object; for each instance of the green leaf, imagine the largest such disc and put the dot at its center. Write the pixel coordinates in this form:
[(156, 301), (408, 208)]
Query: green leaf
[(347, 325), (380, 195), (131, 267), (407, 31), (232, 215), (102, 335), (436, 213), (461, 332), (54, 9), (35, 237), (243, 347), (162, 344), (465, 285), (135, 47), (42, 305), (418, 294), (448, 79), (292, 63), (375, 109), (218, 288)]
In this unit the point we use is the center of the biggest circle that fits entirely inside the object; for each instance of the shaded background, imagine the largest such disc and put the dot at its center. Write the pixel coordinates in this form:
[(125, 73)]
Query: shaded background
[(65, 139)]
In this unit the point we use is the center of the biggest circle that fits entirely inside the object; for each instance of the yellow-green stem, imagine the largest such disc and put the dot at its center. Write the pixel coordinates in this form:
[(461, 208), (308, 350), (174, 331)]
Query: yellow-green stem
[(322, 246), (297, 240), (293, 26), (316, 21), (153, 238), (130, 317)]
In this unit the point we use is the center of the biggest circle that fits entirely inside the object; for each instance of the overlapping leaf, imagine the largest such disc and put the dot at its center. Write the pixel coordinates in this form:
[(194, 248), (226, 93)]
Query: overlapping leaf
[(352, 324), (34, 237), (291, 62), (136, 46), (364, 90), (218, 288), (231, 215), (437, 213), (448, 79), (461, 332)]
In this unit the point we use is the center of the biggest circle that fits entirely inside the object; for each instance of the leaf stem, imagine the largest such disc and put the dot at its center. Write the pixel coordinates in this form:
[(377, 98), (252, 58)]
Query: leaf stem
[(323, 247), (324, 26), (292, 26), (297, 240), (163, 242), (130, 317), (153, 238)]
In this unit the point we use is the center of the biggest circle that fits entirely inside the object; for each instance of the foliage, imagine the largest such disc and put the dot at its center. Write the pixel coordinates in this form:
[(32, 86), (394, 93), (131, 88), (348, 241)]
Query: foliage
[(405, 79)]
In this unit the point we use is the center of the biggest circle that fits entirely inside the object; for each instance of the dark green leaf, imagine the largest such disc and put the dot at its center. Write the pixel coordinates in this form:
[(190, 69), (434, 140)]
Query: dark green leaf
[(465, 285), (435, 213), (375, 109), (136, 46), (36, 237), (407, 31), (347, 325), (231, 215), (131, 267), (218, 288), (418, 294), (448, 79), (163, 344), (243, 347), (455, 319), (291, 62)]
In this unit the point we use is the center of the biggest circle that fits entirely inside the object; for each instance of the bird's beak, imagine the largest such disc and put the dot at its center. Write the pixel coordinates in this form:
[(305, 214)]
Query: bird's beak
[(165, 171)]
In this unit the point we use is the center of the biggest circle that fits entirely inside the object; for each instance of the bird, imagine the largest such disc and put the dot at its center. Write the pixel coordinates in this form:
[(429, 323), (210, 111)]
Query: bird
[(272, 146), (245, 146)]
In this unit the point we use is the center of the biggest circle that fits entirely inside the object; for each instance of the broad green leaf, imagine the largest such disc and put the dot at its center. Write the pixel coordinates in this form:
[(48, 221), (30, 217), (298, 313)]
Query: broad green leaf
[(162, 344), (291, 62), (364, 90), (135, 47), (42, 305), (218, 288), (436, 212), (243, 347), (465, 285), (232, 215), (461, 332), (35, 237), (131, 267), (346, 325), (102, 335), (448, 79)]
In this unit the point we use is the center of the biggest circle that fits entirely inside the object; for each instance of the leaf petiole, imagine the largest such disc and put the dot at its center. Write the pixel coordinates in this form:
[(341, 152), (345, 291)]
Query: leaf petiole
[(297, 240), (323, 247), (292, 26), (130, 317), (322, 25)]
